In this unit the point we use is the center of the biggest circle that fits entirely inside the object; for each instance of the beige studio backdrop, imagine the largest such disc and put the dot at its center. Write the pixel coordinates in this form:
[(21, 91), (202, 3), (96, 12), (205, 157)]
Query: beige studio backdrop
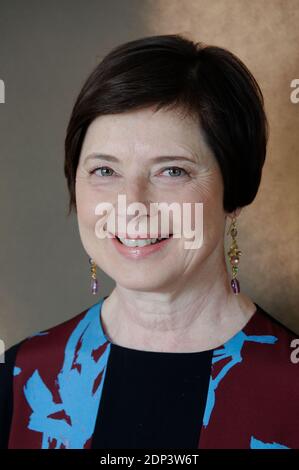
[(47, 49)]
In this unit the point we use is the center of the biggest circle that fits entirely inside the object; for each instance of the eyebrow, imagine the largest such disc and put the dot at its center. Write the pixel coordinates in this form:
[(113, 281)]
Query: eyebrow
[(164, 158)]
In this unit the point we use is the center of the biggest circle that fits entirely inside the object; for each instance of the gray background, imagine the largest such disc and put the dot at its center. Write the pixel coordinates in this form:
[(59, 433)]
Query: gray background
[(47, 49)]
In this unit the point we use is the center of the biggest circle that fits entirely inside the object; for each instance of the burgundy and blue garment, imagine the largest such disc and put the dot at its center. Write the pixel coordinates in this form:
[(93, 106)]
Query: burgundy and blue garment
[(70, 387)]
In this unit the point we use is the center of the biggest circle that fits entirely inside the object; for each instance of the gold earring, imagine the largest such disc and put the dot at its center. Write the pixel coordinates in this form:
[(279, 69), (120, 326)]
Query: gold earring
[(234, 256), (94, 281)]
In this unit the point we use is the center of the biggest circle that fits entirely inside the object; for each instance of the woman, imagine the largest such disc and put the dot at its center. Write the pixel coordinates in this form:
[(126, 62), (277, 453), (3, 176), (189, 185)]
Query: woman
[(177, 356)]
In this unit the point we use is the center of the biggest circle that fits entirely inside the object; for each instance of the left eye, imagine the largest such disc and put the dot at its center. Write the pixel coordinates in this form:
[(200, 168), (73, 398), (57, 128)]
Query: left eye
[(176, 170)]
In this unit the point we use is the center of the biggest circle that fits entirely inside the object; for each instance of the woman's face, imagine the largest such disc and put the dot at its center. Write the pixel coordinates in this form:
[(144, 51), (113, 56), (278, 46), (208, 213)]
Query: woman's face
[(137, 139)]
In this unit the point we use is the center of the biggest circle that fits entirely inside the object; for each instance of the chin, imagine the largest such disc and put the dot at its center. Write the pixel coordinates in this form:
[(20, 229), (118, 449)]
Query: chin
[(144, 285)]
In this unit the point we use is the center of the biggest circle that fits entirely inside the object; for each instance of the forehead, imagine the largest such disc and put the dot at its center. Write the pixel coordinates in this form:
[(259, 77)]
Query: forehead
[(144, 131)]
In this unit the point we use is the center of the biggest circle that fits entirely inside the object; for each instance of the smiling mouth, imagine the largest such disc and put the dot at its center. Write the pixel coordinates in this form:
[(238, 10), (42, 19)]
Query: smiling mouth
[(140, 242)]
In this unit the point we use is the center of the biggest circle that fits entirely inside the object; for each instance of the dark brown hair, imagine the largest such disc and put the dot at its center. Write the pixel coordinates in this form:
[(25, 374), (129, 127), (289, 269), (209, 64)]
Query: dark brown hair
[(171, 71)]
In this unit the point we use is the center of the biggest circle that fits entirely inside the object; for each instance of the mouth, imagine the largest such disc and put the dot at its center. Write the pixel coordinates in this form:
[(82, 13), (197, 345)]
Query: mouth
[(139, 248), (141, 242)]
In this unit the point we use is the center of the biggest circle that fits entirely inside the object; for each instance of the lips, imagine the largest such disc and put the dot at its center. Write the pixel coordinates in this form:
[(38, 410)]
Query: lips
[(140, 237), (158, 240), (140, 252)]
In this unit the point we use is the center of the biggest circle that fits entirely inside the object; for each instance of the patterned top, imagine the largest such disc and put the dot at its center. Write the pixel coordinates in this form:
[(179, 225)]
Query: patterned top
[(70, 387)]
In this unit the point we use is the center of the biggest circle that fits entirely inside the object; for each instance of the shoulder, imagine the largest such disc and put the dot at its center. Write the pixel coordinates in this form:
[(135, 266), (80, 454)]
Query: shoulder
[(48, 346), (48, 368), (53, 336), (272, 347), (254, 388), (40, 357), (264, 321), (43, 349)]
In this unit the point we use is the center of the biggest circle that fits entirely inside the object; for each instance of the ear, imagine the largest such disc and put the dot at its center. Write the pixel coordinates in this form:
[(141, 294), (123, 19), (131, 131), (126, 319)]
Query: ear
[(234, 213)]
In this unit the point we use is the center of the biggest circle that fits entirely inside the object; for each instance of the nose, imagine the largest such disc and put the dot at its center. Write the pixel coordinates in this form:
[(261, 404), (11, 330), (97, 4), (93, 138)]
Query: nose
[(136, 190)]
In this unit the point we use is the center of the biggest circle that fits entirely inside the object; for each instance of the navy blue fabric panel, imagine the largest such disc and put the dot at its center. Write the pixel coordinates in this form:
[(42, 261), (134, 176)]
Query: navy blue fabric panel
[(152, 399)]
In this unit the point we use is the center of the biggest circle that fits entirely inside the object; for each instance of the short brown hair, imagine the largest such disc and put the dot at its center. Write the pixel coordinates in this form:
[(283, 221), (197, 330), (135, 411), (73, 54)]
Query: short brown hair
[(171, 71)]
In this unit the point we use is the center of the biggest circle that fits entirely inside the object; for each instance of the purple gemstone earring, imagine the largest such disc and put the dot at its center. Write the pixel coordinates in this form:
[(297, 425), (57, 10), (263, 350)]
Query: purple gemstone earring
[(234, 256), (94, 281)]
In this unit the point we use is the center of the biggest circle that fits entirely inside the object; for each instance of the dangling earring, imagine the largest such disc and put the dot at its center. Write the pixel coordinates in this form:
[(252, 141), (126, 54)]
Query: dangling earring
[(234, 254), (94, 281)]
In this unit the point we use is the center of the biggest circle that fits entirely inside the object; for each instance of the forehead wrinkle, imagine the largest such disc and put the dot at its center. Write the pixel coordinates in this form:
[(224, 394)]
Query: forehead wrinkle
[(115, 128)]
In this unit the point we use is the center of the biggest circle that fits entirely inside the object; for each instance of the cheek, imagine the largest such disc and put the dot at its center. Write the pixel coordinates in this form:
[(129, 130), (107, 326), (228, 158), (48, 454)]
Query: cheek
[(86, 203), (208, 190), (210, 193)]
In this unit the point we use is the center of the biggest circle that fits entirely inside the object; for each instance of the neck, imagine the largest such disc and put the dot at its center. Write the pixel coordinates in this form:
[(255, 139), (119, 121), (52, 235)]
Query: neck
[(201, 313)]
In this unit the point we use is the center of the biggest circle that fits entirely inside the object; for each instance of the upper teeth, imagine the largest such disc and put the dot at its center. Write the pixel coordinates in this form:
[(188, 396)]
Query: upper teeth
[(138, 242)]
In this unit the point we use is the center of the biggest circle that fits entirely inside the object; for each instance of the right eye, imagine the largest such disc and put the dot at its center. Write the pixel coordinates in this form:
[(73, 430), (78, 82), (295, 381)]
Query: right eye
[(100, 168)]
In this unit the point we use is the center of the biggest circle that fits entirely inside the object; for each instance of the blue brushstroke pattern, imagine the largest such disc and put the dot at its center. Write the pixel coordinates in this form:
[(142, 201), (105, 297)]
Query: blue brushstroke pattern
[(232, 349), (75, 388), (256, 444), (16, 370)]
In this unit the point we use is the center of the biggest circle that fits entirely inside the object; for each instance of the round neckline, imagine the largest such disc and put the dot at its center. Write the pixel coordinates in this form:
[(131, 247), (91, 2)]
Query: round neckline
[(181, 353)]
